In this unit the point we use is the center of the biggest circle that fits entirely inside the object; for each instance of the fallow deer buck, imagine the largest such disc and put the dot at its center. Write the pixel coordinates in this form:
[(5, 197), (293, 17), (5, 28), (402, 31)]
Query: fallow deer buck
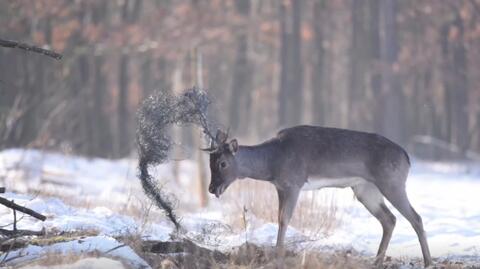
[(309, 157)]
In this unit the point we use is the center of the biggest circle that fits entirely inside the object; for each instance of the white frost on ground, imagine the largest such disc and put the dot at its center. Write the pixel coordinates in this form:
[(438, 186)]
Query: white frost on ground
[(445, 195)]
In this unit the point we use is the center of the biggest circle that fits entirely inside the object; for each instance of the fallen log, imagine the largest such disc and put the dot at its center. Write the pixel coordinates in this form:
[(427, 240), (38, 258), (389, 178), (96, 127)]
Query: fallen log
[(21, 232)]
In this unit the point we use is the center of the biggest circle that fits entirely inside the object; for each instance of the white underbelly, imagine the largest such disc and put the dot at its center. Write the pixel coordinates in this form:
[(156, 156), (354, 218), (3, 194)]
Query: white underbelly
[(318, 183)]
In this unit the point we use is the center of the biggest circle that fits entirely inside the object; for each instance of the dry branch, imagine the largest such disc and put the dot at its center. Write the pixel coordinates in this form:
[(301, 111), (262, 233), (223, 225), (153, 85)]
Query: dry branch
[(22, 209), (156, 114), (16, 44)]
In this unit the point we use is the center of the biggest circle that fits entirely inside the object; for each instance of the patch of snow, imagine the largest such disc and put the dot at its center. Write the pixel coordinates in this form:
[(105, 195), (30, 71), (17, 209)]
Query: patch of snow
[(444, 194), (61, 217), (87, 263), (106, 245)]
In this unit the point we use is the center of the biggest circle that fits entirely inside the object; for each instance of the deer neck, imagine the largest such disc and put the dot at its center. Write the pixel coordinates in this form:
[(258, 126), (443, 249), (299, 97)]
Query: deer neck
[(253, 162)]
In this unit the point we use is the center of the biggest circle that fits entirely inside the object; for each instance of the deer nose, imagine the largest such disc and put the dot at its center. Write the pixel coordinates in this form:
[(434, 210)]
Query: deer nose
[(211, 188)]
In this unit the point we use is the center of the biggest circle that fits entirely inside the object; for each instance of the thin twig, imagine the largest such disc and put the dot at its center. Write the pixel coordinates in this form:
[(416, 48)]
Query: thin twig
[(14, 219), (13, 258), (6, 225), (23, 46), (244, 216), (115, 248)]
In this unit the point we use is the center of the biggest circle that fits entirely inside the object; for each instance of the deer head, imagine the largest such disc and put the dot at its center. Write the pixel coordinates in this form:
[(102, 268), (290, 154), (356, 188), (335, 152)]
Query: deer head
[(223, 168)]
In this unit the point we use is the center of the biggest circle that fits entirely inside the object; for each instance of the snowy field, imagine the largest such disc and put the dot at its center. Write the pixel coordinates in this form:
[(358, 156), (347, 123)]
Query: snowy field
[(78, 194)]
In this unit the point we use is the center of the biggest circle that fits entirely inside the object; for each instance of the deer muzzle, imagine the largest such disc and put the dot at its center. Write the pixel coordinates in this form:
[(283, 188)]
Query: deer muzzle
[(217, 190)]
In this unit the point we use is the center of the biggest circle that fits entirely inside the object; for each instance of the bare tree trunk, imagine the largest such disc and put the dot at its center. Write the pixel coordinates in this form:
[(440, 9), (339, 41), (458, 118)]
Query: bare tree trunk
[(202, 174), (123, 119), (130, 14), (291, 80), (101, 144), (103, 136), (241, 87), (319, 59), (240, 101), (296, 60), (394, 113), (146, 75), (284, 59), (358, 65), (375, 56), (85, 105), (456, 84)]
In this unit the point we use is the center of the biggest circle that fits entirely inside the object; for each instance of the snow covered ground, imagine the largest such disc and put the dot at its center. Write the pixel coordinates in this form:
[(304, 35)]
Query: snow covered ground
[(105, 196), (103, 244)]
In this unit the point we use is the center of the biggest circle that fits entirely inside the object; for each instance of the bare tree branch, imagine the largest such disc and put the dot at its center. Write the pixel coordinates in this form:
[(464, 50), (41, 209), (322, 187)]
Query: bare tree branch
[(16, 44), (25, 210)]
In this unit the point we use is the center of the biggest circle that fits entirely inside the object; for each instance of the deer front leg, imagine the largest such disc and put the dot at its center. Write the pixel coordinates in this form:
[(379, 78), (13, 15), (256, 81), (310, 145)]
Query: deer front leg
[(287, 199)]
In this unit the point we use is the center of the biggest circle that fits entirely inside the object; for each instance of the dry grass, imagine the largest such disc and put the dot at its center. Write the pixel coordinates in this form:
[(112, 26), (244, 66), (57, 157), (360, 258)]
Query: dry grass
[(247, 256), (54, 237), (315, 213), (251, 256), (254, 257)]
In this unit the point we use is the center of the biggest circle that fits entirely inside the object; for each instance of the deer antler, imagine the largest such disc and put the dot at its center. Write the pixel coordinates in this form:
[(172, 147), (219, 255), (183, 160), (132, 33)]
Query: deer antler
[(210, 149), (221, 137)]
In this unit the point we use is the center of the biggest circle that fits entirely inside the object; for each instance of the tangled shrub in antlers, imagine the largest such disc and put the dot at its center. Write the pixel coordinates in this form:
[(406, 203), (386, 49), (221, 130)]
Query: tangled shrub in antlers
[(155, 115)]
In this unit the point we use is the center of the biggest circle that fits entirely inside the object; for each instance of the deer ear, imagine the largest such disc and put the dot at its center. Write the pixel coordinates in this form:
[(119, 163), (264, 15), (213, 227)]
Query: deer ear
[(221, 137), (233, 146)]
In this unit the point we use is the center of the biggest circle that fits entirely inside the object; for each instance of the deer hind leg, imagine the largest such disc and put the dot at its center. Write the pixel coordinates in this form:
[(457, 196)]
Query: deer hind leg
[(371, 197), (395, 192), (287, 199)]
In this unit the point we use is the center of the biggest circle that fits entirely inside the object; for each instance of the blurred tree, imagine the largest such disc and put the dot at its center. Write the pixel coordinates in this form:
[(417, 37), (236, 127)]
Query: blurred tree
[(455, 80), (399, 68), (375, 75), (291, 77), (359, 56), (240, 99), (318, 89), (393, 122)]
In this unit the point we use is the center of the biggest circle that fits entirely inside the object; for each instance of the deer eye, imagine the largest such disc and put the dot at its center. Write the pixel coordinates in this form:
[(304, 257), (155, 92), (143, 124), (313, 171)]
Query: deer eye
[(223, 164)]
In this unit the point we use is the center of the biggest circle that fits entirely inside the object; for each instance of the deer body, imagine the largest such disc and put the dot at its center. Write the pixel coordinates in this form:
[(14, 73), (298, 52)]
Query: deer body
[(310, 157)]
